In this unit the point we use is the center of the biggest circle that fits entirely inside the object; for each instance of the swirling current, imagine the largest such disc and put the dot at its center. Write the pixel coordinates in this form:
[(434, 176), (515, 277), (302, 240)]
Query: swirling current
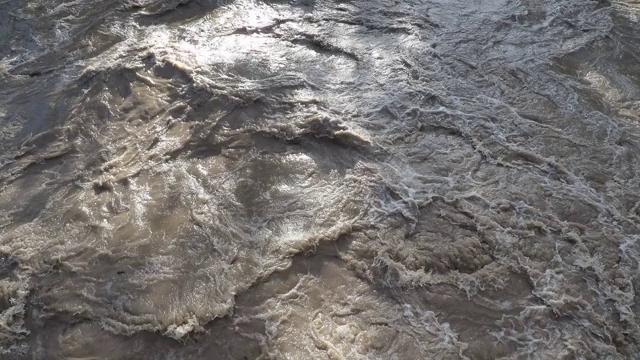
[(317, 179)]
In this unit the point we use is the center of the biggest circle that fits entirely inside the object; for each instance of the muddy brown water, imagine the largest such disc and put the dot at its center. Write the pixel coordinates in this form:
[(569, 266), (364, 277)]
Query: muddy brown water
[(310, 179)]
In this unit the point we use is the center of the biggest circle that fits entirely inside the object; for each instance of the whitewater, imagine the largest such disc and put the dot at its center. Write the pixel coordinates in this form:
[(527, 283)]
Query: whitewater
[(316, 179)]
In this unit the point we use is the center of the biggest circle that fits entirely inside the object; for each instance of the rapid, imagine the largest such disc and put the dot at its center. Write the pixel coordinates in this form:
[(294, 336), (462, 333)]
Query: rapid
[(319, 179)]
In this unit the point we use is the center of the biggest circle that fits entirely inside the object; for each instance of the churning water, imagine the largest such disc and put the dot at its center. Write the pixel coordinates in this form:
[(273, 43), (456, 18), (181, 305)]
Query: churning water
[(316, 179)]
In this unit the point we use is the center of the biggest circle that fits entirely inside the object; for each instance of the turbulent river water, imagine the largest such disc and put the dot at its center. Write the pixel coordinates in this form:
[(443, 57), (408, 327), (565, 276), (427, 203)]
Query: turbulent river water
[(317, 179)]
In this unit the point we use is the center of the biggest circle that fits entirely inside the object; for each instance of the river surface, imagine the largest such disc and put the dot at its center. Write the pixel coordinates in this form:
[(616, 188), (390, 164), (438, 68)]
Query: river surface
[(316, 179)]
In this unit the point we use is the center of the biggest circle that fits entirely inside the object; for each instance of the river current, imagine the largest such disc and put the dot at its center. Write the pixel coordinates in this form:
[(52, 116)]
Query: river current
[(316, 179)]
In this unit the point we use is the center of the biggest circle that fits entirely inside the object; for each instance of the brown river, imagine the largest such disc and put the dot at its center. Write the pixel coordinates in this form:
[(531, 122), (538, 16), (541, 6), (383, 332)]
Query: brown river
[(319, 179)]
